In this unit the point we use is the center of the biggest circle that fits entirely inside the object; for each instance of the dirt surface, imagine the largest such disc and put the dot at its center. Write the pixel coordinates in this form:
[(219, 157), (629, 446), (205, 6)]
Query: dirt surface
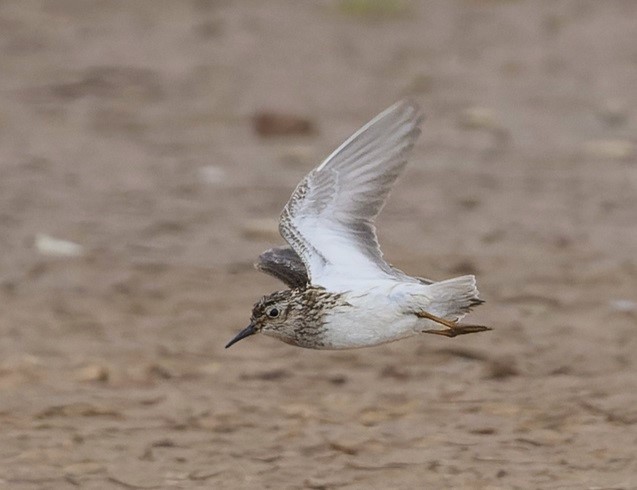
[(127, 128)]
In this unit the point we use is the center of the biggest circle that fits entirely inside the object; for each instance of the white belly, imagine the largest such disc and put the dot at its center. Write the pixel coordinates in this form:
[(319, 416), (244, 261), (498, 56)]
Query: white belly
[(378, 316)]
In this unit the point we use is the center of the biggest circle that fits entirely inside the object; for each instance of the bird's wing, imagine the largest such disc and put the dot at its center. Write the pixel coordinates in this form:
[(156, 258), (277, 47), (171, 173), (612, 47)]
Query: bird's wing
[(329, 220), (284, 264)]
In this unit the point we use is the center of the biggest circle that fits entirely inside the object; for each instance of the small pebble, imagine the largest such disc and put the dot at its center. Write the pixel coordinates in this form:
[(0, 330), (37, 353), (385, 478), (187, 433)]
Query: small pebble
[(268, 124), (47, 245)]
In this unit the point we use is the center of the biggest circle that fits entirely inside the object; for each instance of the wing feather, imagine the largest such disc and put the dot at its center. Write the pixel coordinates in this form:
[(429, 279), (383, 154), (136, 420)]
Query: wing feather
[(329, 220), (284, 264)]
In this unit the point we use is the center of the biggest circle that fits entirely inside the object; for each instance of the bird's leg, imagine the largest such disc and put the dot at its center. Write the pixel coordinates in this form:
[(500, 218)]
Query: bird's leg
[(453, 328)]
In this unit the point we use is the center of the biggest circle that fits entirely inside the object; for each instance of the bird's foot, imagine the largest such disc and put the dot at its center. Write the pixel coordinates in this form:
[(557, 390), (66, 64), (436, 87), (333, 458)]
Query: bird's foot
[(453, 328)]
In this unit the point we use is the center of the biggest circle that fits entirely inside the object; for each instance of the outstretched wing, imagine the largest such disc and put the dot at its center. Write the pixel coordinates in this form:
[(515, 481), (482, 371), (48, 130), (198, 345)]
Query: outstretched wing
[(329, 220), (284, 264)]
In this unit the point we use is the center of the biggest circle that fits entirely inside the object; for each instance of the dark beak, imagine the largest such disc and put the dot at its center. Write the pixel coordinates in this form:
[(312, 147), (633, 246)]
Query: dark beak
[(246, 332)]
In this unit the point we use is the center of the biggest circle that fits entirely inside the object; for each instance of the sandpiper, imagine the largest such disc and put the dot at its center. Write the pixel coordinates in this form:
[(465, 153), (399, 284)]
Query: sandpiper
[(342, 294)]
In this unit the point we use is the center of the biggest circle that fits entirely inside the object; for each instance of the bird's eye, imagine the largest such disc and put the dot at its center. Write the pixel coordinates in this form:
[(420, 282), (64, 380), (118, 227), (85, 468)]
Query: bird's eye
[(273, 312)]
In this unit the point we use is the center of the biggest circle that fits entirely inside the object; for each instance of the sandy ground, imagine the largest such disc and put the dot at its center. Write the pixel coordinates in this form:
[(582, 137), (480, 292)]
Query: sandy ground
[(127, 128)]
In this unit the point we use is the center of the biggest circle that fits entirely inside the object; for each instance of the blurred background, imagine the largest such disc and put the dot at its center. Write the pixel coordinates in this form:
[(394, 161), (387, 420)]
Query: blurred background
[(146, 150)]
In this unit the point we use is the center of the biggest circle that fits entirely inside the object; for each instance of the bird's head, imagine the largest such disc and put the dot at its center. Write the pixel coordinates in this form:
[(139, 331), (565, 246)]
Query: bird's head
[(270, 316)]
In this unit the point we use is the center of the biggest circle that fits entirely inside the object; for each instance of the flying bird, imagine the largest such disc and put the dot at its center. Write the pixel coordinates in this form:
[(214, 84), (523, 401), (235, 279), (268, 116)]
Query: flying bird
[(341, 293)]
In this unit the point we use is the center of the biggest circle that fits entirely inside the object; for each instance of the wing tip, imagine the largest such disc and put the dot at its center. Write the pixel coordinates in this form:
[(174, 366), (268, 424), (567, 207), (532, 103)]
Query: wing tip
[(410, 109)]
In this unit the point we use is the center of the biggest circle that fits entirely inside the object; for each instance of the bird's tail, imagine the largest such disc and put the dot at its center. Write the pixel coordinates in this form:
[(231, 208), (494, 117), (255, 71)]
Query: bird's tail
[(452, 299), (449, 301)]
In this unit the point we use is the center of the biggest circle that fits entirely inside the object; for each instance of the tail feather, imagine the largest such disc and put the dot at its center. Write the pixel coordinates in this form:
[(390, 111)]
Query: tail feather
[(453, 298)]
